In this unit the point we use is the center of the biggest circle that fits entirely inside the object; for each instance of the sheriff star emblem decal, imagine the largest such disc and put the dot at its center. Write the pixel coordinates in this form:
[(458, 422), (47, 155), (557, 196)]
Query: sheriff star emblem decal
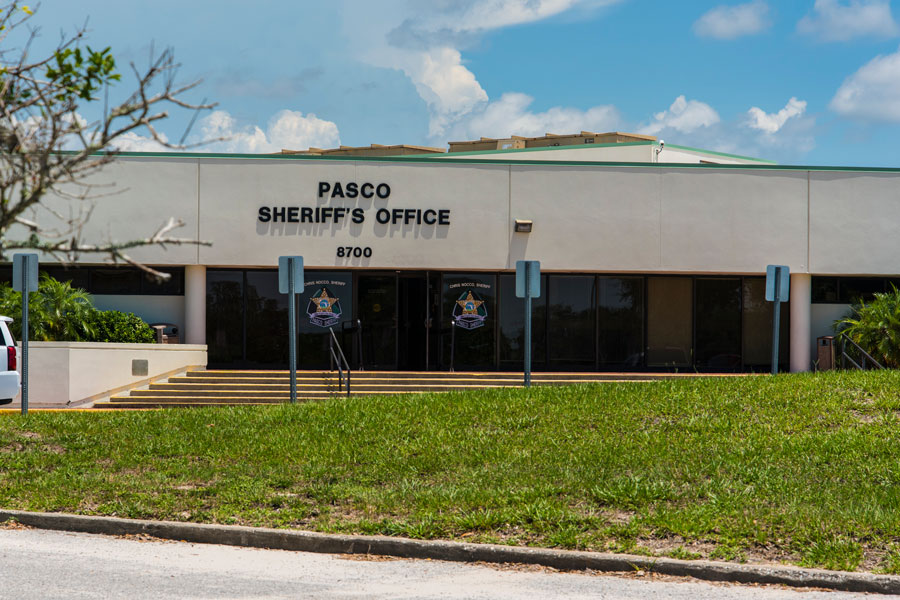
[(469, 305), (323, 302)]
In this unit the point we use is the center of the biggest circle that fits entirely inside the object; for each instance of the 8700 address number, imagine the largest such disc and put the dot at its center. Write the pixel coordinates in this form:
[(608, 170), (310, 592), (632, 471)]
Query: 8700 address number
[(354, 252)]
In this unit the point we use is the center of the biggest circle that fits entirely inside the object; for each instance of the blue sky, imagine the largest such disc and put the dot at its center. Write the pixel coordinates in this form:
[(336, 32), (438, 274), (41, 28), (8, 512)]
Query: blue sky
[(800, 82)]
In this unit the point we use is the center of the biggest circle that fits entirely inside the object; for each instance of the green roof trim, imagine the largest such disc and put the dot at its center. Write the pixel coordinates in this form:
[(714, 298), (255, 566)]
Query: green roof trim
[(475, 161)]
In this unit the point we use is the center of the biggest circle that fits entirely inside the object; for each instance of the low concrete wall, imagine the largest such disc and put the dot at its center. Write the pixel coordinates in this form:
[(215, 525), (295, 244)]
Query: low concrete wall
[(65, 373)]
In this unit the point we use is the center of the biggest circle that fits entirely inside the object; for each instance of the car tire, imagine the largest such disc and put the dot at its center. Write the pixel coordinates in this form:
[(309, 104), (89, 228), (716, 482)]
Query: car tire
[(5, 401)]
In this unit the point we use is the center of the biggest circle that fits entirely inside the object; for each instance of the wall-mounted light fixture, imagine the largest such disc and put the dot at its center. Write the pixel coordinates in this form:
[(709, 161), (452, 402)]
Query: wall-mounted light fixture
[(523, 226)]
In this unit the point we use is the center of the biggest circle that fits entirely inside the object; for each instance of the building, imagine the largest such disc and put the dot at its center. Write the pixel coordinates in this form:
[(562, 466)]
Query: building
[(647, 265)]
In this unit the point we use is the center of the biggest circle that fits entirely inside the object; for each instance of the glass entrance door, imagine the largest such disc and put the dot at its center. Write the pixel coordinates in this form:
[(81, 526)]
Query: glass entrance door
[(413, 310), (394, 312), (376, 300)]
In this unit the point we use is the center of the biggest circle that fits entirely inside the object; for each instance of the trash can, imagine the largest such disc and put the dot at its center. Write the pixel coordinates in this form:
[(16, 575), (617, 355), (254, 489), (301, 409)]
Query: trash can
[(825, 351), (166, 333)]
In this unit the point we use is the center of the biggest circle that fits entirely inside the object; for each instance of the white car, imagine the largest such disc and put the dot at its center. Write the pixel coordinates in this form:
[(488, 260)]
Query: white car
[(10, 382)]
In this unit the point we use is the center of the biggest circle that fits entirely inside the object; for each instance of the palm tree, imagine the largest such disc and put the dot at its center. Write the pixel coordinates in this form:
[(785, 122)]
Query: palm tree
[(876, 327), (57, 311)]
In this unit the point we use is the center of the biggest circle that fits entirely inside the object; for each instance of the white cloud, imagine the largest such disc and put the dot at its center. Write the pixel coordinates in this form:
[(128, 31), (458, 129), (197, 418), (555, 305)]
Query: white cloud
[(510, 116), (873, 92), (134, 142), (835, 21), (286, 130), (424, 39), (771, 123), (220, 132), (730, 22), (449, 88), (683, 116), (461, 18), (291, 130), (784, 136)]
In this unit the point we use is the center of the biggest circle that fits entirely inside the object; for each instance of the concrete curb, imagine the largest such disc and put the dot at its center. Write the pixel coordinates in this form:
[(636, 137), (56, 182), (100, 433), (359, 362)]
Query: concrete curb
[(305, 541)]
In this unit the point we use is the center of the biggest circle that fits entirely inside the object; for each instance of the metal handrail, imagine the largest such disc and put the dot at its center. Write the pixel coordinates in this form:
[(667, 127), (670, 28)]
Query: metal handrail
[(452, 343), (340, 359), (356, 326), (865, 355)]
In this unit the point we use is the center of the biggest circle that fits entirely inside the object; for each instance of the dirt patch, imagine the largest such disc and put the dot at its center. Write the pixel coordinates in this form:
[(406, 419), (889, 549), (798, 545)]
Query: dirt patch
[(13, 524), (863, 417), (668, 545), (143, 537), (872, 559), (22, 447), (620, 517), (133, 471), (368, 557), (677, 547)]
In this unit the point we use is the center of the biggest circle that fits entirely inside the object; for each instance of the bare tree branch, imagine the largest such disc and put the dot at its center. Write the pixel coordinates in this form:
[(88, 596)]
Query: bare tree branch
[(48, 148)]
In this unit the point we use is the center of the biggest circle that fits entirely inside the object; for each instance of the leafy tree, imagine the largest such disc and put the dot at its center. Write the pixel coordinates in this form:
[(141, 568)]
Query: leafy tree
[(875, 326), (47, 147)]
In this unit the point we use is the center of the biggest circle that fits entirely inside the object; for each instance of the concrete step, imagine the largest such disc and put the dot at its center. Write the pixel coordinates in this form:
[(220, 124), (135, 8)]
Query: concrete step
[(413, 376), (355, 386), (173, 404), (242, 398), (397, 381), (221, 388), (205, 392)]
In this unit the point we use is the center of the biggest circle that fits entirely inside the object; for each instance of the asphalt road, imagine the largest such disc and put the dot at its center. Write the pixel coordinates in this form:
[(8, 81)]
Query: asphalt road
[(48, 564)]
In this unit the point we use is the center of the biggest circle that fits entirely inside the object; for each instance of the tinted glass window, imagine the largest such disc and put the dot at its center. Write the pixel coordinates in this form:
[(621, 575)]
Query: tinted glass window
[(115, 281), (757, 327), (856, 289), (173, 287), (469, 301), (224, 316), (669, 322), (824, 290), (267, 320), (718, 314), (512, 325), (571, 312), (621, 314), (77, 277), (326, 302)]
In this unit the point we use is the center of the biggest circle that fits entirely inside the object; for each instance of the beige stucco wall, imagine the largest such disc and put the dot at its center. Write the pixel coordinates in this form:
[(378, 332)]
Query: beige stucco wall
[(62, 373), (126, 200), (854, 223), (233, 190), (586, 218)]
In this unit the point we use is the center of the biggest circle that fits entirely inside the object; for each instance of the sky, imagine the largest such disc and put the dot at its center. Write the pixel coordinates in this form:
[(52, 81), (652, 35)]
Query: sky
[(807, 82)]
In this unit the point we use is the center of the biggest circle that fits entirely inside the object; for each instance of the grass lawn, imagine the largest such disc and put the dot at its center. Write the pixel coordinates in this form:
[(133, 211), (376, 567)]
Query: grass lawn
[(796, 468)]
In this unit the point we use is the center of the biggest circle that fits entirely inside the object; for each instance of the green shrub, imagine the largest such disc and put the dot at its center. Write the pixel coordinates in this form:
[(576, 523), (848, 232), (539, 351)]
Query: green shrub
[(120, 327), (59, 312), (875, 326)]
